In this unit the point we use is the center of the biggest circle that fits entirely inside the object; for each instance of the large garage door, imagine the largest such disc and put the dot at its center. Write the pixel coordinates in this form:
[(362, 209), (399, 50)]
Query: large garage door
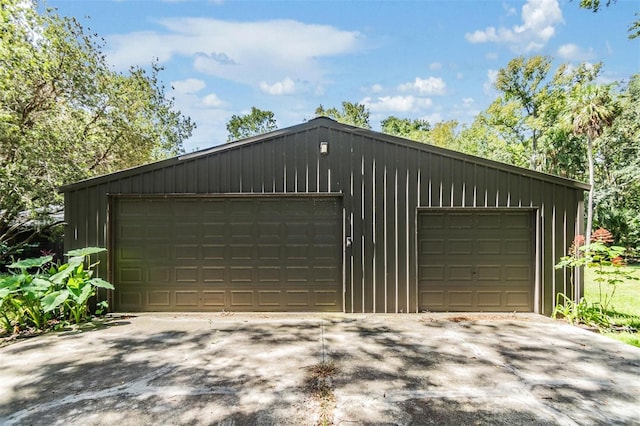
[(232, 253), (475, 260)]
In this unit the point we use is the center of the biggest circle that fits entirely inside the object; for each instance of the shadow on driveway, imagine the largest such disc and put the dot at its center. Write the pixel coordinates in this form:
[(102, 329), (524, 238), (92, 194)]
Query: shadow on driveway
[(249, 369)]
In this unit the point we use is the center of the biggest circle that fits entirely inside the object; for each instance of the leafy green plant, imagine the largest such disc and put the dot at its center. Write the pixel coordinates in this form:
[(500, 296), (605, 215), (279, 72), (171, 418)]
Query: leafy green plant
[(581, 312), (74, 285), (607, 263), (21, 292), (40, 291)]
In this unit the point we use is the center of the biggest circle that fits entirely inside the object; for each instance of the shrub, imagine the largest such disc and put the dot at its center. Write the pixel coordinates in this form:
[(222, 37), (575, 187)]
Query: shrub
[(608, 263), (39, 293)]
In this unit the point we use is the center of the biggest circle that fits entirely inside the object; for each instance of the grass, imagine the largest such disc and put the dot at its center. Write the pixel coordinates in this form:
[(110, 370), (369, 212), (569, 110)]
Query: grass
[(624, 309)]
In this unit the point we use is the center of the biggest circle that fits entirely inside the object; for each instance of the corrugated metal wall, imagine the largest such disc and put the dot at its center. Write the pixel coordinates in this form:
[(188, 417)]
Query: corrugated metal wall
[(383, 180)]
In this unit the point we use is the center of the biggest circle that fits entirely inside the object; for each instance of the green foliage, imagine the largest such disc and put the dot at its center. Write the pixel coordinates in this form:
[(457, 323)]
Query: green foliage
[(617, 171), (610, 270), (255, 123), (405, 127), (590, 110), (354, 114), (590, 314), (65, 115), (39, 292)]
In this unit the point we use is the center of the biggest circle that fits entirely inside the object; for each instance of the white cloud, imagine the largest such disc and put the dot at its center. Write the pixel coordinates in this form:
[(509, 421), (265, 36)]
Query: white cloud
[(428, 86), (190, 85), (491, 56), (396, 104), (245, 52), (435, 66), (539, 19), (434, 118), (510, 10), (489, 85), (376, 88), (467, 102), (572, 52), (212, 100), (284, 87)]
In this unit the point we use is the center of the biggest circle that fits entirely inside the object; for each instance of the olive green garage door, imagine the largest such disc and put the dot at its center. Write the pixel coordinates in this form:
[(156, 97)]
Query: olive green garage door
[(227, 253), (475, 260)]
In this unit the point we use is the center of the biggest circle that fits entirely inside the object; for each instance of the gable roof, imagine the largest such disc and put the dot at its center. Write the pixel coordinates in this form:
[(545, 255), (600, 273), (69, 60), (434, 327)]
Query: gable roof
[(323, 122)]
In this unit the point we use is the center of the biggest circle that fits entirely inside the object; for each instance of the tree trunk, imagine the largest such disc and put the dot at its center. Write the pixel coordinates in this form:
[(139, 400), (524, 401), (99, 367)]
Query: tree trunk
[(591, 182)]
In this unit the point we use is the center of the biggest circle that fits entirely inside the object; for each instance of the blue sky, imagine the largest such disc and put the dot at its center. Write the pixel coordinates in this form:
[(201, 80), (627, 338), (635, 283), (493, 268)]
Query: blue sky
[(418, 59)]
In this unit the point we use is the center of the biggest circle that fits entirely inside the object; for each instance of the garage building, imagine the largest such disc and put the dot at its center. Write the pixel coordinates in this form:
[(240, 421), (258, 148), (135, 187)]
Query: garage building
[(324, 216)]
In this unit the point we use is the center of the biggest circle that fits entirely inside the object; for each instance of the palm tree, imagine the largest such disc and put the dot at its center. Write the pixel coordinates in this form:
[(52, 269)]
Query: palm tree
[(591, 109)]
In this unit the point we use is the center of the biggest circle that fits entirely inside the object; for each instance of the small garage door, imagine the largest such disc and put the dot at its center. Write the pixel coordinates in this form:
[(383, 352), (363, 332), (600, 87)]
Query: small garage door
[(475, 260), (227, 253)]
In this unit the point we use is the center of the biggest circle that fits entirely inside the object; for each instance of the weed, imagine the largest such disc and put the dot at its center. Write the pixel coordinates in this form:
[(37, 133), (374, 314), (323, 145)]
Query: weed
[(319, 384)]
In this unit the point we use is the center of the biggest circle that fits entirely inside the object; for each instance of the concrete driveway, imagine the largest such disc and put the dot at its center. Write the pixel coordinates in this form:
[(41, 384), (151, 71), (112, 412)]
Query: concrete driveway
[(253, 369)]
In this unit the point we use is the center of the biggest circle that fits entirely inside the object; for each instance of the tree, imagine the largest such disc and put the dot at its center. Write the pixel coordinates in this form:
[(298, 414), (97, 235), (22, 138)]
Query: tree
[(484, 140), (444, 135), (529, 111), (617, 171), (590, 110), (522, 83), (595, 6), (352, 113), (405, 127), (255, 123), (65, 116)]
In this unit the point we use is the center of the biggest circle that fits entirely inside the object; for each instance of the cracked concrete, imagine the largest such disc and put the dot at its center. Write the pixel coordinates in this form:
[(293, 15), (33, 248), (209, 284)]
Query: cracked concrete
[(247, 369)]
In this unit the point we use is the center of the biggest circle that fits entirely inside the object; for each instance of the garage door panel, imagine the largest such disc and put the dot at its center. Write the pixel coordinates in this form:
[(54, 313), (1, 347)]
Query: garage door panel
[(431, 300), (268, 298), (484, 267), (325, 297), (214, 299), (270, 274), (490, 273), (488, 221), (516, 222), (240, 274), (462, 246), (213, 251), (240, 252), (129, 299), (432, 246), (517, 273), (297, 298), (460, 221), (131, 232), (518, 246), (187, 298), (298, 274), (241, 298), (130, 275), (212, 274), (159, 274), (187, 252), (460, 299), (518, 299), (159, 298), (489, 247), (186, 274), (432, 272), (489, 299), (214, 229), (254, 253), (269, 252), (460, 273)]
